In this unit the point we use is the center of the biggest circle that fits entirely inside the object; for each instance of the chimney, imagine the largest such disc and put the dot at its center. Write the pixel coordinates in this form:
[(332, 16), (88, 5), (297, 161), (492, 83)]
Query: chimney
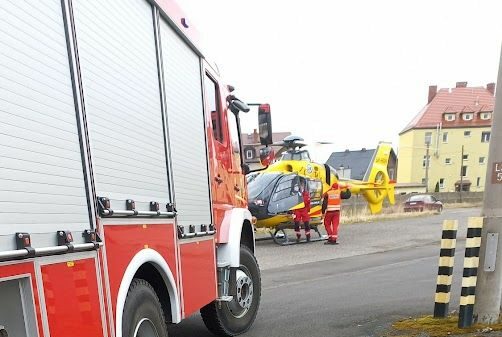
[(433, 90), (256, 139), (491, 88), (461, 85)]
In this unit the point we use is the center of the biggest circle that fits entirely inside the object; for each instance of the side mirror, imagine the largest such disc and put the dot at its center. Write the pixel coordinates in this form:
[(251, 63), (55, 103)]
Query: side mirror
[(237, 105), (265, 124), (267, 156)]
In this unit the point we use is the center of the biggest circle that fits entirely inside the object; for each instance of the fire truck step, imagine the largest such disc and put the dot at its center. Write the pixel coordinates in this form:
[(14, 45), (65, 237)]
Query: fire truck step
[(225, 299)]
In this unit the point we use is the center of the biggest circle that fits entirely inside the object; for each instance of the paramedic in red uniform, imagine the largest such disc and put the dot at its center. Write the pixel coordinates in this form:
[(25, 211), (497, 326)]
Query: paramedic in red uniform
[(331, 206), (302, 214)]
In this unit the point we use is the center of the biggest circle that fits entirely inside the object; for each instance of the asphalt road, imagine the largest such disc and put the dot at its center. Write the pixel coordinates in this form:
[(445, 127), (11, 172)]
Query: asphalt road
[(358, 291), (365, 238)]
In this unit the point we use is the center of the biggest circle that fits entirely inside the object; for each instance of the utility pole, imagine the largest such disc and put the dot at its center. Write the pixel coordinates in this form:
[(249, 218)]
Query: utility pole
[(461, 174), (427, 166), (489, 283)]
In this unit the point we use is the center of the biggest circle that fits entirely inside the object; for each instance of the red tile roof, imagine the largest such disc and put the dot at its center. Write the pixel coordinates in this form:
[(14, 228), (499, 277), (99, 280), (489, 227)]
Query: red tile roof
[(458, 101)]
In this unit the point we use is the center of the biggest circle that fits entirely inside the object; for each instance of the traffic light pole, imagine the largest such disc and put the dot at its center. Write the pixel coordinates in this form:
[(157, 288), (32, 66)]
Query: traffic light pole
[(489, 282)]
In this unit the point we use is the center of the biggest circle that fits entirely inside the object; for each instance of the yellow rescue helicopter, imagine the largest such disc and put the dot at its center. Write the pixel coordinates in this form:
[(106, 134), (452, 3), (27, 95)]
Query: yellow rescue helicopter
[(272, 193)]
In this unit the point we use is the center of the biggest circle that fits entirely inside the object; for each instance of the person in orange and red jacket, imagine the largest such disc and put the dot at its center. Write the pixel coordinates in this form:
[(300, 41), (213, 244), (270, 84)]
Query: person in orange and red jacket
[(302, 214), (331, 207)]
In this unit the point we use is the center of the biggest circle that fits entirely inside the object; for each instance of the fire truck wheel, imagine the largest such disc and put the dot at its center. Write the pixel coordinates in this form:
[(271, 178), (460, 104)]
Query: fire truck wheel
[(143, 315), (236, 317)]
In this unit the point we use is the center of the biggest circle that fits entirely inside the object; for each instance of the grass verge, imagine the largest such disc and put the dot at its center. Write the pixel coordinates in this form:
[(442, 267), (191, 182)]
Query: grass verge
[(350, 215), (436, 327), (463, 205)]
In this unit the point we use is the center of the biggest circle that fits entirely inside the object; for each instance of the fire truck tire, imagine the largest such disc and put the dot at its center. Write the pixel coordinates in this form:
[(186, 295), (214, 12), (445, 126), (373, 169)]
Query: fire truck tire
[(143, 315), (230, 318)]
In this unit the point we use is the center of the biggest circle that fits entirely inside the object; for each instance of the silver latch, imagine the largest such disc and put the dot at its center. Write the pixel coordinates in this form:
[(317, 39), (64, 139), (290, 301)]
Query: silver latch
[(3, 332), (492, 240)]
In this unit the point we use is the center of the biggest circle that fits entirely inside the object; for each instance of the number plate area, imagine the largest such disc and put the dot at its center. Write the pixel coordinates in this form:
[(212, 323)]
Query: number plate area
[(497, 173)]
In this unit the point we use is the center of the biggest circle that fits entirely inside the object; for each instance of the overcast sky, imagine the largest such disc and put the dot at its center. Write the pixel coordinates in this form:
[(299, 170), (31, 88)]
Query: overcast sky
[(349, 72)]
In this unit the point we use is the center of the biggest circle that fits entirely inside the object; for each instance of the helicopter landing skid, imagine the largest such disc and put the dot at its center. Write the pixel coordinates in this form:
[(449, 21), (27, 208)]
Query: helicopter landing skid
[(281, 238)]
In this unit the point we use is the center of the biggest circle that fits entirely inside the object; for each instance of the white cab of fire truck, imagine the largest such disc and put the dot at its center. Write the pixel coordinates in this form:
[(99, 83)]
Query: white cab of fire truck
[(123, 202)]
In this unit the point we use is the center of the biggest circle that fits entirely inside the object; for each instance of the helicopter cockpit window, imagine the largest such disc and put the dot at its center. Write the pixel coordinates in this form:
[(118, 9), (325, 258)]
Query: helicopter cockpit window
[(285, 195), (286, 156), (261, 185), (304, 155), (285, 187), (251, 176)]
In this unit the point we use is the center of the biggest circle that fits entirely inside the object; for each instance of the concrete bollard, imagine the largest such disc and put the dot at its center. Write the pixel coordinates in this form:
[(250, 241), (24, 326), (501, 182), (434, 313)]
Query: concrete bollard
[(470, 275), (445, 270)]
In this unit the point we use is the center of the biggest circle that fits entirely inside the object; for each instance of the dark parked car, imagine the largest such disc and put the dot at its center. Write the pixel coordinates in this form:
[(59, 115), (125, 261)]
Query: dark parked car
[(423, 202)]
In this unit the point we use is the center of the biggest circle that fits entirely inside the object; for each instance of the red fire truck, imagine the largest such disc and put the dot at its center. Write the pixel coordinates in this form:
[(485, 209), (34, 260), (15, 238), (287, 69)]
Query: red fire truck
[(122, 189)]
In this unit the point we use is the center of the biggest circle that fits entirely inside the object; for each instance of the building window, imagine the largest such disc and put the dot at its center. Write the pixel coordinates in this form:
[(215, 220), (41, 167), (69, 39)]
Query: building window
[(423, 181), (449, 117), (485, 136), (467, 133), (441, 183), (478, 182), (486, 115), (445, 137), (249, 154), (465, 157), (466, 187), (464, 171), (447, 161), (427, 160), (467, 117), (482, 160), (428, 138)]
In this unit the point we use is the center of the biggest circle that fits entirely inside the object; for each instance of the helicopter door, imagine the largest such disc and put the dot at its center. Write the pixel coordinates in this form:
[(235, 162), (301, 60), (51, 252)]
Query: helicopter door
[(315, 189), (285, 195)]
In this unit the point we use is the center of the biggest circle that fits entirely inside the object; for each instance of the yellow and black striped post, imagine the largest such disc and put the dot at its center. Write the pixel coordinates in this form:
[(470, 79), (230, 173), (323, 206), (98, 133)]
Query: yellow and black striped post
[(445, 271), (470, 277)]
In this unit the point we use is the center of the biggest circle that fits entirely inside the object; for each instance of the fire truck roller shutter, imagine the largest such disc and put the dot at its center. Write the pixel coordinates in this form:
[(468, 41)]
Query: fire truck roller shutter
[(186, 129), (117, 53), (42, 186)]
